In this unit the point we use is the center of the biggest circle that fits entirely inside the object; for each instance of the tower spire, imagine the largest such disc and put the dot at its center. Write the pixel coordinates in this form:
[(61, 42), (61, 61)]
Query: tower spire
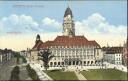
[(68, 2)]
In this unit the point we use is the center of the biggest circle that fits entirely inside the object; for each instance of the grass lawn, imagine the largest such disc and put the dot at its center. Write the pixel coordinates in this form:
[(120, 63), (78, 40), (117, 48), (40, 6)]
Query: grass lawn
[(59, 75), (104, 74)]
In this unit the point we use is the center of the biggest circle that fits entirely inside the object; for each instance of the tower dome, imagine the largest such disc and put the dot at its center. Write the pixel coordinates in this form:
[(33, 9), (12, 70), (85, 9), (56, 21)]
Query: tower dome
[(68, 12), (38, 37)]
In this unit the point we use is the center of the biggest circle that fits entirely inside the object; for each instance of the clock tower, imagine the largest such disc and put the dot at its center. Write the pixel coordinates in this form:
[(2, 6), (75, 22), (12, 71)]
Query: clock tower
[(68, 23)]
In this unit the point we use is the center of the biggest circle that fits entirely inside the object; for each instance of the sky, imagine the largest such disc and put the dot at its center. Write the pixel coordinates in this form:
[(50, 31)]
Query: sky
[(21, 21)]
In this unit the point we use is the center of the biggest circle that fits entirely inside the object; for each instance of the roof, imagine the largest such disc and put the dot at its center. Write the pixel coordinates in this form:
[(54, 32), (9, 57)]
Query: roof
[(38, 43), (112, 50), (68, 12), (67, 41)]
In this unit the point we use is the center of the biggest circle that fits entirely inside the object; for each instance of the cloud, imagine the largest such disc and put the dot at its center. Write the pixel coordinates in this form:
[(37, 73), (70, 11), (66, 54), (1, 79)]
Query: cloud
[(48, 21), (21, 23), (96, 27), (26, 24), (97, 24), (49, 24)]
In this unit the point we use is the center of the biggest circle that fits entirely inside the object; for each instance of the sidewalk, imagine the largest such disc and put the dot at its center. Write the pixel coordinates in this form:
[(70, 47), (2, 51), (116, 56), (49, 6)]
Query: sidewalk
[(80, 76)]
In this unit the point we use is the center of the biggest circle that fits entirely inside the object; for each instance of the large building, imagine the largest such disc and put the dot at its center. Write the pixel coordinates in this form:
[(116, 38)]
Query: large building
[(69, 49)]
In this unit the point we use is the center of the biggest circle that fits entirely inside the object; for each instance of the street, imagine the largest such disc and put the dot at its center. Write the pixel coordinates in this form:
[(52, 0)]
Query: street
[(6, 68)]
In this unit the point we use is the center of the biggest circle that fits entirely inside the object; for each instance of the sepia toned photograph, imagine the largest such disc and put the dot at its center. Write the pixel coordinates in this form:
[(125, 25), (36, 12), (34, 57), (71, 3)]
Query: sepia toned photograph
[(70, 40)]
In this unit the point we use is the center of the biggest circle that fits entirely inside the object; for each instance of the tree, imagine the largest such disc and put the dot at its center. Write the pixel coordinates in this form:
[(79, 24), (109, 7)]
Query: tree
[(46, 56), (15, 73), (32, 73)]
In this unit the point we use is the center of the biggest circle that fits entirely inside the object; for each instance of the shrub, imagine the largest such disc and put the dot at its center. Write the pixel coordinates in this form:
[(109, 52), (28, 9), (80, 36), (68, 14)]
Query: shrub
[(15, 73)]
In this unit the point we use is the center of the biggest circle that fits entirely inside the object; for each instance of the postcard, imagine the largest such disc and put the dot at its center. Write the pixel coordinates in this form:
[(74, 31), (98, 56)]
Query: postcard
[(63, 40)]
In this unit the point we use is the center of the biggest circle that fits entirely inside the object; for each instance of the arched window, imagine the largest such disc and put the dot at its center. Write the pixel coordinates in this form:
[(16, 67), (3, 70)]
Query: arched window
[(54, 63), (58, 63), (73, 62), (62, 63), (88, 62), (51, 63), (84, 62), (77, 62), (91, 62)]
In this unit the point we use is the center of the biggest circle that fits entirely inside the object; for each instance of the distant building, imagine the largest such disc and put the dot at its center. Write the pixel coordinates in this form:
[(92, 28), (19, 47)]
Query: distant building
[(5, 55), (125, 55), (23, 53), (113, 55), (69, 49), (26, 53)]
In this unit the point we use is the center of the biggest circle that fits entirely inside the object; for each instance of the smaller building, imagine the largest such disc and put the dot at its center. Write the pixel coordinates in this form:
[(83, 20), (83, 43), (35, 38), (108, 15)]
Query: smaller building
[(23, 53), (5, 55), (26, 53), (125, 54), (113, 55)]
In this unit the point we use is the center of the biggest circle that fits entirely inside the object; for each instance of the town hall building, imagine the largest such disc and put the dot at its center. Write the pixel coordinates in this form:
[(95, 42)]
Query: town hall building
[(69, 49)]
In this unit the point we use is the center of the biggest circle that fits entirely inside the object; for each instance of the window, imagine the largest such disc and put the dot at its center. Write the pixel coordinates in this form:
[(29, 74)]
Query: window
[(91, 62), (54, 63), (62, 63), (88, 62), (58, 63), (84, 62), (51, 63)]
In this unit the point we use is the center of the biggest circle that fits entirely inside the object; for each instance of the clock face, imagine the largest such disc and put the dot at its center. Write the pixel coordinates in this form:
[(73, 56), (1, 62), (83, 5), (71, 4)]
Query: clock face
[(69, 16)]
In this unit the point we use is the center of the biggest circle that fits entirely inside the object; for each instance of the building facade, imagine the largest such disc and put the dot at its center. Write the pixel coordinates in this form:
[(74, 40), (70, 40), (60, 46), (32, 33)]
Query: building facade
[(113, 55), (5, 55), (69, 49), (125, 54)]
